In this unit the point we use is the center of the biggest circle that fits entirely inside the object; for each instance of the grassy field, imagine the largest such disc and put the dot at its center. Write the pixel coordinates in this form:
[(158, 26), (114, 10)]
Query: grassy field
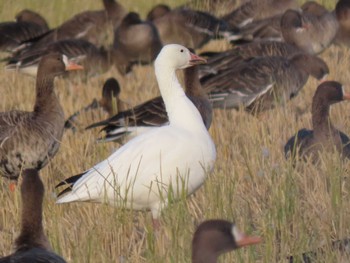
[(293, 209)]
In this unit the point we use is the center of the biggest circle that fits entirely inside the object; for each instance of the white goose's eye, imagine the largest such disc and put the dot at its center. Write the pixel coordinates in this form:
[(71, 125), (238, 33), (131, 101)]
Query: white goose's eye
[(65, 59), (181, 50)]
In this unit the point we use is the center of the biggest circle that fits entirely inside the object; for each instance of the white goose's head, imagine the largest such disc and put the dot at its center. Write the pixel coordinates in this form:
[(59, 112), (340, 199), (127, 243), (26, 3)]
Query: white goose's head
[(177, 57)]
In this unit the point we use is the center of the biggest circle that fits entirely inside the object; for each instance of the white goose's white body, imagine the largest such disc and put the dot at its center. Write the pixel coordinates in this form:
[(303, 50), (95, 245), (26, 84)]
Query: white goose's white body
[(170, 159)]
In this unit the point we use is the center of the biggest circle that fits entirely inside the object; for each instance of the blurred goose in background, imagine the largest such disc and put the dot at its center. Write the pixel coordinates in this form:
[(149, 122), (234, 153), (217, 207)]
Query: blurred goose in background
[(269, 29), (262, 83), (140, 173), (158, 11), (32, 244), (324, 135), (136, 41), (152, 113), (310, 33), (89, 25), (27, 15), (94, 60), (28, 25), (342, 11), (215, 237), (219, 61), (30, 139), (109, 102), (314, 8), (191, 28), (338, 247), (257, 9)]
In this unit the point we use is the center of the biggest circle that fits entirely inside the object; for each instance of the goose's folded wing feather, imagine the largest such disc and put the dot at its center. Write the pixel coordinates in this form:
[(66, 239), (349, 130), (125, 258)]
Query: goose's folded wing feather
[(10, 121)]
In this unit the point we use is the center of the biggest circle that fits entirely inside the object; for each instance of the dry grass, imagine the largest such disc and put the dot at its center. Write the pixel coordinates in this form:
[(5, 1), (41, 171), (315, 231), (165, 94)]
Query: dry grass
[(293, 209)]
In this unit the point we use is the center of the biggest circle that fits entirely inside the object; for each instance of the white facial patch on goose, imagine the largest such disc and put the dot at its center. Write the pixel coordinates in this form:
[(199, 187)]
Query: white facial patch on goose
[(65, 60), (300, 30), (237, 235), (324, 78), (246, 22)]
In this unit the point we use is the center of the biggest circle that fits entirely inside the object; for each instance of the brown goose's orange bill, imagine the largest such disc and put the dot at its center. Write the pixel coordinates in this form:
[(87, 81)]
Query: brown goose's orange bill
[(346, 96), (73, 66), (248, 240)]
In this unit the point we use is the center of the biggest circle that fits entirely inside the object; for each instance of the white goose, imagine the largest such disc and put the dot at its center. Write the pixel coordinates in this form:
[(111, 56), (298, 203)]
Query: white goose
[(175, 158)]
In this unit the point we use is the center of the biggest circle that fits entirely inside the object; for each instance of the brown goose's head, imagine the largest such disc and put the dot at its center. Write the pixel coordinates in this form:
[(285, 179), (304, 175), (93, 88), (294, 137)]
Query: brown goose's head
[(157, 12), (27, 15), (292, 19), (214, 237), (111, 88), (55, 64), (314, 8), (110, 93), (331, 92), (131, 18), (311, 64), (295, 30), (342, 11)]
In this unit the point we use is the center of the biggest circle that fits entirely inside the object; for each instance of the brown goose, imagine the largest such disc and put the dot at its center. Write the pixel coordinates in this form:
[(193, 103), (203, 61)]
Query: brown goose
[(314, 8), (88, 25), (27, 15), (109, 102), (152, 113), (32, 244), (136, 40), (341, 247), (262, 83), (28, 25), (258, 9), (94, 60), (342, 11), (157, 12), (323, 136), (191, 28), (215, 237), (219, 61), (270, 28), (30, 139), (308, 32), (267, 29)]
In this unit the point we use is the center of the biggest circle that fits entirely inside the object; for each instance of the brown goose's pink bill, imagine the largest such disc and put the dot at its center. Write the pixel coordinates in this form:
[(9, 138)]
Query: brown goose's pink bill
[(195, 60)]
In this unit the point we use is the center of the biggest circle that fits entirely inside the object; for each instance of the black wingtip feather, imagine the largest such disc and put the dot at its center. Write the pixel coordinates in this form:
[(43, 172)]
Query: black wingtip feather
[(68, 189), (70, 180)]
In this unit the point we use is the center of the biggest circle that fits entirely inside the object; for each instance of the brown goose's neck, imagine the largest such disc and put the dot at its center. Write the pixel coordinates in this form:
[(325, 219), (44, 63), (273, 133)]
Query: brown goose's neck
[(115, 57), (203, 256), (192, 84), (32, 233), (115, 11), (320, 117), (46, 98)]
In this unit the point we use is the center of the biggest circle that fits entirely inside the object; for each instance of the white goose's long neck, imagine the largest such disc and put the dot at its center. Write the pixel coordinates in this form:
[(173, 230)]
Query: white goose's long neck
[(180, 109)]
